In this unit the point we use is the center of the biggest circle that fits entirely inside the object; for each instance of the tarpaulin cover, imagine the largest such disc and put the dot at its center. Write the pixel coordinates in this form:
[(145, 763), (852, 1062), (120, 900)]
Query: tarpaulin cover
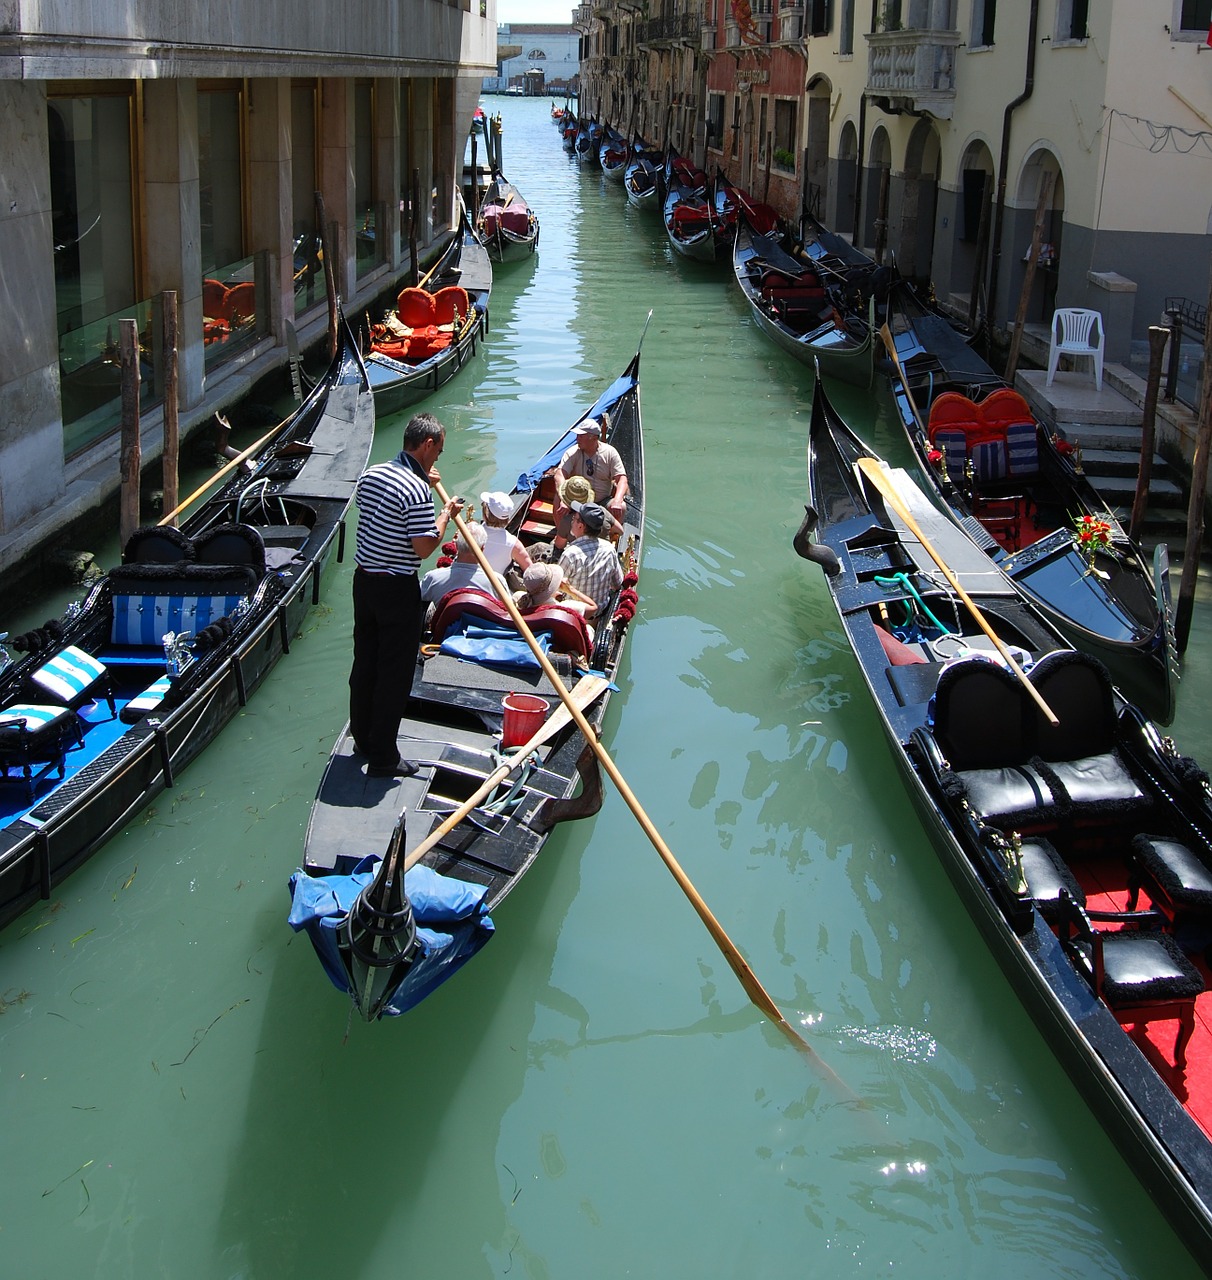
[(452, 924), (530, 478)]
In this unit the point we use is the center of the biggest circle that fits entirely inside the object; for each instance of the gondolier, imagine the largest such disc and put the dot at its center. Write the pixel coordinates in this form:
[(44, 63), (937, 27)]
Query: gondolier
[(396, 531)]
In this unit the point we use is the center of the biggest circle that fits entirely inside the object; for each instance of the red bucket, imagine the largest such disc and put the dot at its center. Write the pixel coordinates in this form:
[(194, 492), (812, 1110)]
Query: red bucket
[(524, 716)]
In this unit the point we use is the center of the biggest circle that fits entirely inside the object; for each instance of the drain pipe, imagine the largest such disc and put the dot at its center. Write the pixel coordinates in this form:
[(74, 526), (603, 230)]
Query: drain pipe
[(999, 210)]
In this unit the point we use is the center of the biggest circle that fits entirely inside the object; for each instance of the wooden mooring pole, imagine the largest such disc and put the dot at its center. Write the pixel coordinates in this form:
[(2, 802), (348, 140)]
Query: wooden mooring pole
[(327, 247), (130, 457), (412, 226), (1199, 489), (1158, 337)]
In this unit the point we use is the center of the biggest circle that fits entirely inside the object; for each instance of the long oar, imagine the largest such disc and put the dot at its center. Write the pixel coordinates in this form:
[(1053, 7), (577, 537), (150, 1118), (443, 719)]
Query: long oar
[(748, 979), (586, 690), (883, 482), (886, 335), (235, 462)]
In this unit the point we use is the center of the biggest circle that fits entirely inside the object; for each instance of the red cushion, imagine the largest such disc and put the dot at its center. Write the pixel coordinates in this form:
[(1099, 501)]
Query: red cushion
[(415, 308), (1005, 407), (448, 302), (897, 652)]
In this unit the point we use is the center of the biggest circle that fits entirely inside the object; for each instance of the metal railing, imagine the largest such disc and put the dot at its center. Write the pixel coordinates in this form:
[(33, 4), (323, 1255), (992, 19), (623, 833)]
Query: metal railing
[(1185, 372)]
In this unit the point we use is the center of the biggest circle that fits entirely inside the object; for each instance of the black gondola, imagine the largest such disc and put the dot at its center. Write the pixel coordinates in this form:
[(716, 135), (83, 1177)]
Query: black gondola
[(1049, 831), (1022, 495), (453, 729), (436, 326), (507, 226), (109, 705)]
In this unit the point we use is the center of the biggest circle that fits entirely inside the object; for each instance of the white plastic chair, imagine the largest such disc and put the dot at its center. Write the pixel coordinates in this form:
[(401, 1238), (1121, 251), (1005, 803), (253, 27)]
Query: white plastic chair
[(1077, 332)]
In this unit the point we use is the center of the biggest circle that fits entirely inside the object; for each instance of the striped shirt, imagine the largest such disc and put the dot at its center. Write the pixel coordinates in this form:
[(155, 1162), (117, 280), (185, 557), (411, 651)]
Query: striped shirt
[(395, 505), (591, 565)]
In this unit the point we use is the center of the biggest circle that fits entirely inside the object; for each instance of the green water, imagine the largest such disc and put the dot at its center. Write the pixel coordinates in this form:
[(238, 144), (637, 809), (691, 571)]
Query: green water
[(594, 1096)]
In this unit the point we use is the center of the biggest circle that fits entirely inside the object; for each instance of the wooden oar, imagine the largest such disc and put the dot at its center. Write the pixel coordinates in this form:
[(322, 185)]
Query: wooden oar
[(883, 482), (748, 979), (223, 470), (586, 690), (886, 335)]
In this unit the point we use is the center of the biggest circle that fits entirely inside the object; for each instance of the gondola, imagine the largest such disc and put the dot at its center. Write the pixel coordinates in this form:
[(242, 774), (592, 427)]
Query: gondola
[(642, 179), (508, 227), (613, 154), (689, 213), (1022, 494), (389, 946), (435, 328), (588, 140), (102, 709), (791, 303), (1076, 846)]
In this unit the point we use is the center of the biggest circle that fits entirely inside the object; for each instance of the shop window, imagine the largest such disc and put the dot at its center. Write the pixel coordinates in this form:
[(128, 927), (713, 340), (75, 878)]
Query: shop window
[(308, 266), (220, 178), (405, 164), (366, 242), (92, 217)]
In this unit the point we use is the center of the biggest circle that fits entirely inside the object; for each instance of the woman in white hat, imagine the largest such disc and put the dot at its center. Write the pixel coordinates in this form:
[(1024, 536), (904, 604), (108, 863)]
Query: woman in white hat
[(502, 546)]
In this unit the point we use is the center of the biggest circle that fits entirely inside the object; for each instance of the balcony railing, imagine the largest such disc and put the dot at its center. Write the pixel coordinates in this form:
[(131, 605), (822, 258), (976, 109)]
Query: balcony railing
[(913, 70), (682, 28)]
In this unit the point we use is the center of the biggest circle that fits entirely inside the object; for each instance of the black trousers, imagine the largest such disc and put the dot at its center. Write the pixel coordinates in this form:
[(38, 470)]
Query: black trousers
[(389, 616)]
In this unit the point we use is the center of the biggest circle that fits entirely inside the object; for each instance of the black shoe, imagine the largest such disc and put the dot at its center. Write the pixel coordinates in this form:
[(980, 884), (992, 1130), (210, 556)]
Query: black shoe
[(401, 769)]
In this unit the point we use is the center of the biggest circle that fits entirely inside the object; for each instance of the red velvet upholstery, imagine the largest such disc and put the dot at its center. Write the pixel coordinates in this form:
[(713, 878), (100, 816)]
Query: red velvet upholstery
[(415, 308), (240, 302), (450, 305)]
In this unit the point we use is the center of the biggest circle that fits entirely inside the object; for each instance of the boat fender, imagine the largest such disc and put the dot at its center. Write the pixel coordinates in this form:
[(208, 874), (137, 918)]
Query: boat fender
[(817, 552)]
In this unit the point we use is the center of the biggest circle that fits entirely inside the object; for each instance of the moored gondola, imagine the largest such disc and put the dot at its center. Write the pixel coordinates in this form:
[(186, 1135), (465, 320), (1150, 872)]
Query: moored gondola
[(435, 327), (389, 927), (1023, 495), (1057, 823), (508, 227), (109, 704), (792, 302)]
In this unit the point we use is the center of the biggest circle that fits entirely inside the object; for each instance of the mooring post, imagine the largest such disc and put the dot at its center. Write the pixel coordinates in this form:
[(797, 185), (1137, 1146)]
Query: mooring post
[(130, 457), (1158, 337), (172, 439)]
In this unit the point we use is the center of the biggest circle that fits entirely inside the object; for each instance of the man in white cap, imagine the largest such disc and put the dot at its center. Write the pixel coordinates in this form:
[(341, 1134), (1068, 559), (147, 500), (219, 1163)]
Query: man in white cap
[(590, 562), (464, 572), (600, 464)]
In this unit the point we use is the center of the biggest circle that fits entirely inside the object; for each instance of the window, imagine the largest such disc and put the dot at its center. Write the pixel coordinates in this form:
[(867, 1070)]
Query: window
[(736, 123), (1071, 18), (819, 16), (846, 34), (1192, 20), (786, 142), (309, 270), (715, 121), (983, 15), (219, 178), (367, 244)]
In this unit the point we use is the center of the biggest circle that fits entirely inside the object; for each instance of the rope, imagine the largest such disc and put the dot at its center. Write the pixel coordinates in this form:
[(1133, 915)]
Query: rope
[(902, 580)]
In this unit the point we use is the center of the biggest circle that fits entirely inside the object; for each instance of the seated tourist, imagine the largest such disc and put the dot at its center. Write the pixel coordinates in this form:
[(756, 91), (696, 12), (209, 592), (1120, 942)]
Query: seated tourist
[(464, 572), (590, 562), (542, 583), (502, 547)]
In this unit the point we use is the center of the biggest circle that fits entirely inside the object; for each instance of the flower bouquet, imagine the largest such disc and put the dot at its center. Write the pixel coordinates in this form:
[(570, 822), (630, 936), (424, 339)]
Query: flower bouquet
[(1092, 536)]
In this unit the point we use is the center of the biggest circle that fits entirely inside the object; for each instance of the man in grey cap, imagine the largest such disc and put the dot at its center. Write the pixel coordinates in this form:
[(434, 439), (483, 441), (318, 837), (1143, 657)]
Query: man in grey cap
[(590, 562), (600, 464)]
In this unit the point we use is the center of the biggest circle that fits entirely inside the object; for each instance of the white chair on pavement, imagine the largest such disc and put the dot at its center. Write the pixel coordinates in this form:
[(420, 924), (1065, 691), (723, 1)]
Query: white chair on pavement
[(1077, 332)]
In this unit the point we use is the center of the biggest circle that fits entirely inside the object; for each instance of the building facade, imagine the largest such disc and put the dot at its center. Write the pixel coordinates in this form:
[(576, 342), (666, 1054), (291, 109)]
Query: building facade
[(932, 130), (146, 151), (535, 59)]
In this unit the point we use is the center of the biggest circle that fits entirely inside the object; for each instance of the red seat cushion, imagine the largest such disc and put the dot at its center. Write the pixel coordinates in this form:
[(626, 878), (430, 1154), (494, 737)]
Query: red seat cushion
[(415, 308), (450, 305)]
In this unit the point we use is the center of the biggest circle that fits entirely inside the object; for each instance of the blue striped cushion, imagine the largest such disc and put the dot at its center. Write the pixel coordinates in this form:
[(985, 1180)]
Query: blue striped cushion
[(954, 445), (31, 717), (68, 674), (148, 700), (146, 619), (989, 461), (1022, 449)]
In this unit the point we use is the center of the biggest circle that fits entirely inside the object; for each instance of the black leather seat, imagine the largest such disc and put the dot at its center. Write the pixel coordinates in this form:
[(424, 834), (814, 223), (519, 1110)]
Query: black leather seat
[(984, 724), (1048, 878), (1141, 976), (1177, 880), (232, 544), (1080, 751)]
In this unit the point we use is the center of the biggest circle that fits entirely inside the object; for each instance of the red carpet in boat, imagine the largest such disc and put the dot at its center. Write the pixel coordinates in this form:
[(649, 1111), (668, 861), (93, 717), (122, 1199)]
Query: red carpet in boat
[(1106, 890)]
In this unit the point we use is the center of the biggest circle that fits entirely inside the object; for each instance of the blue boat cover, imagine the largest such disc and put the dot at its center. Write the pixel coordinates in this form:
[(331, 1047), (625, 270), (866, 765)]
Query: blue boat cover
[(452, 924), (530, 478)]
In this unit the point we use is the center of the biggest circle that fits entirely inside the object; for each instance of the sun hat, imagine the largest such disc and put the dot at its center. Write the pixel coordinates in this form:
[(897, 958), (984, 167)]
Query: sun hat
[(496, 503), (592, 516), (542, 581), (576, 489)]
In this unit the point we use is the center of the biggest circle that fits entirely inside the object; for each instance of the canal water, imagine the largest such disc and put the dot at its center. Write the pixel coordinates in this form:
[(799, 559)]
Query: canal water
[(594, 1096)]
